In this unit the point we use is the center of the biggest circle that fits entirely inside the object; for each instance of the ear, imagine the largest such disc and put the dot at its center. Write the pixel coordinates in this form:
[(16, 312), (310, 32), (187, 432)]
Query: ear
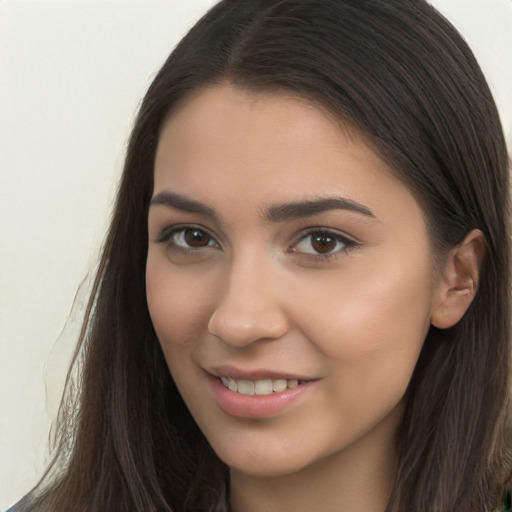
[(458, 283)]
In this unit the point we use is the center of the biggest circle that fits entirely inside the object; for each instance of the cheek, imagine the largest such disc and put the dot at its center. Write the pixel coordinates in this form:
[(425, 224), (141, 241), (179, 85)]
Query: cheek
[(371, 324), (179, 305), (379, 301)]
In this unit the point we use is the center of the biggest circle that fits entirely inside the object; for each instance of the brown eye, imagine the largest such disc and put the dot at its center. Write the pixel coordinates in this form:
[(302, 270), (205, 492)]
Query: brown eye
[(323, 243), (196, 238), (191, 238)]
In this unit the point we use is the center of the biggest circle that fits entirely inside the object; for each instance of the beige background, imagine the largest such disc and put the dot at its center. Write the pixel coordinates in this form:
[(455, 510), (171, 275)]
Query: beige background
[(71, 76)]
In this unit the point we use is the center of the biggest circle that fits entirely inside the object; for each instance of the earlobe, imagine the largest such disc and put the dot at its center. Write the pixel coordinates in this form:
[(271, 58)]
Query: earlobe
[(459, 281)]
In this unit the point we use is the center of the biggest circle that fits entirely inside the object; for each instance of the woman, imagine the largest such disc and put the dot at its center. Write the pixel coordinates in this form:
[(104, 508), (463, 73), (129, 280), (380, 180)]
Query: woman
[(303, 300)]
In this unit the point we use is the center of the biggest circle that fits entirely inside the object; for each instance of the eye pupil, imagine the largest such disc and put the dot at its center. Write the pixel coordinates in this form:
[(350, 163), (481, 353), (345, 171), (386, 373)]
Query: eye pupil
[(323, 243), (196, 238)]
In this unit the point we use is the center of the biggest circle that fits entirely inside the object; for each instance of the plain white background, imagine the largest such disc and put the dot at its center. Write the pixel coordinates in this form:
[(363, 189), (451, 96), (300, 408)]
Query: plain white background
[(72, 74)]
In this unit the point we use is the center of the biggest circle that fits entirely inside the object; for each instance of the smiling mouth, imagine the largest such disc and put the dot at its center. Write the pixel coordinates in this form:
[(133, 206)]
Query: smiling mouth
[(259, 387)]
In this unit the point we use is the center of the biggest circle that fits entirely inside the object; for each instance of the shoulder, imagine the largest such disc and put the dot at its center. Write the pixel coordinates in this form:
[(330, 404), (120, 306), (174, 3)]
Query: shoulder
[(506, 502)]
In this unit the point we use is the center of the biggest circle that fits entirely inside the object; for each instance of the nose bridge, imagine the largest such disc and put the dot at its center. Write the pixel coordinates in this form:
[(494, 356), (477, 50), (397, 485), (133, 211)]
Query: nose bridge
[(248, 310)]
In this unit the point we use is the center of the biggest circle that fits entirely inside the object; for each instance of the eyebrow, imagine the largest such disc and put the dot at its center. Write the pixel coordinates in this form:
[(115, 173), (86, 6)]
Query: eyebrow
[(173, 200), (280, 213), (275, 213)]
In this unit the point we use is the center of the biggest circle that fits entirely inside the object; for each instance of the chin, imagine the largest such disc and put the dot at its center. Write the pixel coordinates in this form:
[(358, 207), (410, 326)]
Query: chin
[(269, 461), (266, 468)]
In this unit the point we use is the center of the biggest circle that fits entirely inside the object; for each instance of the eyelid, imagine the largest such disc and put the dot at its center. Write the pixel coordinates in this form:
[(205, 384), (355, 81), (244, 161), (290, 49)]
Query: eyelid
[(165, 234), (347, 241)]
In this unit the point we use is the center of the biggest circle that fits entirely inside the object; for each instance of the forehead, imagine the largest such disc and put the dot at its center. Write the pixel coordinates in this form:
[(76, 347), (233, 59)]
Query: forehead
[(224, 143)]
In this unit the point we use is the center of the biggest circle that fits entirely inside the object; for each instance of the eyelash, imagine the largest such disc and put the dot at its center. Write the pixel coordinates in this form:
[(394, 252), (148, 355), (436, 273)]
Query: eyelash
[(348, 244), (166, 235)]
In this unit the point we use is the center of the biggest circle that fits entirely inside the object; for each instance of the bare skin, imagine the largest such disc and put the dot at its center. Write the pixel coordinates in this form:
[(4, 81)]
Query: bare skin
[(336, 289)]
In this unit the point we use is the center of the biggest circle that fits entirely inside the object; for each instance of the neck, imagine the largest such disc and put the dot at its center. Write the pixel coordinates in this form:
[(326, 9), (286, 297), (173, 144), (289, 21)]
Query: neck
[(356, 479)]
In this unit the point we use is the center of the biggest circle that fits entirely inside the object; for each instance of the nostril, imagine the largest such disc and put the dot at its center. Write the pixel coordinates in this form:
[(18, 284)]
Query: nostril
[(242, 326)]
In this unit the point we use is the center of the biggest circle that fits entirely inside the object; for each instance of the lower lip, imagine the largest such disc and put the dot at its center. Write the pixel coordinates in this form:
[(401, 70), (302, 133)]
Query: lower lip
[(256, 406)]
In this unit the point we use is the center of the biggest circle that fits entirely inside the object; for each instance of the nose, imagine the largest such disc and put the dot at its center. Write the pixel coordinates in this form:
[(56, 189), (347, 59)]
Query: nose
[(249, 309)]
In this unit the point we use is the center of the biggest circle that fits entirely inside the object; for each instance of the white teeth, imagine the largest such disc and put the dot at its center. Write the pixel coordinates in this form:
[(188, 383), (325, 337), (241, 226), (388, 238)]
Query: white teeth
[(280, 385), (246, 387), (232, 385), (259, 387), (263, 387)]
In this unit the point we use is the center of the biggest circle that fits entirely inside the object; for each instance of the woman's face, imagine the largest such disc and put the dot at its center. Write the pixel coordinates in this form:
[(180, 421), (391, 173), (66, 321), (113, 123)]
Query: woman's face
[(289, 280)]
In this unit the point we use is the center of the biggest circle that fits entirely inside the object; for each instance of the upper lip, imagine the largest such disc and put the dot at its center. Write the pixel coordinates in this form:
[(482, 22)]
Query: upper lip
[(254, 374)]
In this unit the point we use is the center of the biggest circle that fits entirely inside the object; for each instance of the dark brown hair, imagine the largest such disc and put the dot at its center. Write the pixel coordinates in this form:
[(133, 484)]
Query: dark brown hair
[(399, 73)]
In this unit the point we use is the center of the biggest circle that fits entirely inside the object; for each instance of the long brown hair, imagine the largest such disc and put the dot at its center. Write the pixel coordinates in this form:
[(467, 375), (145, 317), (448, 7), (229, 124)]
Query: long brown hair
[(402, 75)]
